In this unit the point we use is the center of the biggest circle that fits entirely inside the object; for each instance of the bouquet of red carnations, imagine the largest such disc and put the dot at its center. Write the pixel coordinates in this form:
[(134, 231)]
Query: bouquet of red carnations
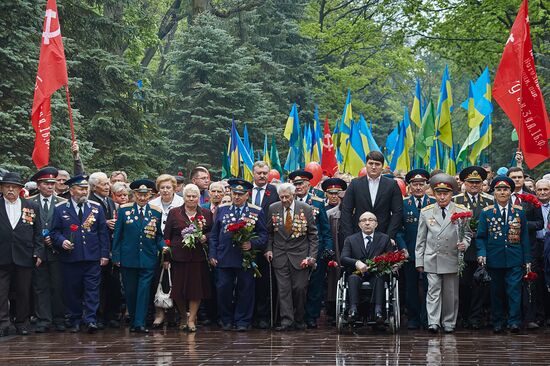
[(385, 263), (241, 232), (462, 221)]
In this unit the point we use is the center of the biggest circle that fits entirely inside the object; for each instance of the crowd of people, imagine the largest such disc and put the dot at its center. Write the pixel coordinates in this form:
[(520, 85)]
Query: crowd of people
[(90, 252)]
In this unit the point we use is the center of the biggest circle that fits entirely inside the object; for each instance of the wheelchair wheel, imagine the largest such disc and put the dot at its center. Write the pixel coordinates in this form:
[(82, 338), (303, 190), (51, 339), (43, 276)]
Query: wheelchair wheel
[(394, 316), (341, 304)]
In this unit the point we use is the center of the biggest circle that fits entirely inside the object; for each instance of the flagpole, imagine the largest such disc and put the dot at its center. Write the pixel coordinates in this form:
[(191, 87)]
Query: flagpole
[(71, 123)]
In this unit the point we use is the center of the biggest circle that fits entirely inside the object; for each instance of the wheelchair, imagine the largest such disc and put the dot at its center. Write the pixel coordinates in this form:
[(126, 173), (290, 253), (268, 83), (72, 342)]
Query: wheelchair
[(365, 308)]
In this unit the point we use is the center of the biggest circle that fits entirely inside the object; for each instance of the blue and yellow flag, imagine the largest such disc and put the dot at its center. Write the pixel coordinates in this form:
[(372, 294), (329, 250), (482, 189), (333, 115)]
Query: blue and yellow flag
[(444, 131), (369, 144), (292, 133), (266, 157), (317, 138), (355, 155), (247, 160), (345, 127), (417, 109), (233, 150)]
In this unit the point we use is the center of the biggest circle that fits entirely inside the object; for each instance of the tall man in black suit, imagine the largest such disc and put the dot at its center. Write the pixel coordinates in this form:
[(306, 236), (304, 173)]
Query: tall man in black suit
[(47, 281), (263, 195), (358, 247), (110, 289), (374, 193), (21, 248)]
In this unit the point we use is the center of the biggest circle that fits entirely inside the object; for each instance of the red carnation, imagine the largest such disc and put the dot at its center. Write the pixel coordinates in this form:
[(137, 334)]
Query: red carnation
[(530, 276), (167, 242), (200, 217), (267, 193), (530, 198), (74, 227), (192, 218), (332, 264), (461, 215)]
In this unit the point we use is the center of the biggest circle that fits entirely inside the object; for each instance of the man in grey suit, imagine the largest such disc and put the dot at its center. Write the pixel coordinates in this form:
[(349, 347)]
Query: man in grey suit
[(437, 253), (358, 247), (47, 281), (292, 247)]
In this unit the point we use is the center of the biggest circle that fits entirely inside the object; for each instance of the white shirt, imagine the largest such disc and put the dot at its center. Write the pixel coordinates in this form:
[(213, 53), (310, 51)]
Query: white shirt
[(366, 241), (14, 211), (42, 198), (373, 188), (177, 201), (472, 197), (503, 211), (291, 211), (76, 208), (255, 192), (545, 208)]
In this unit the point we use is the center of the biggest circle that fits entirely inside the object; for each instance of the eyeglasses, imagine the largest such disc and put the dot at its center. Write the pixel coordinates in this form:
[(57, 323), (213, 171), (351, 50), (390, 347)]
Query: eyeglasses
[(370, 219)]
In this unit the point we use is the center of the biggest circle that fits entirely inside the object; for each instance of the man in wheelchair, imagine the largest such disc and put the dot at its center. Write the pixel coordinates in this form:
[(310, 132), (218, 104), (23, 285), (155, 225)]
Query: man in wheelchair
[(359, 247)]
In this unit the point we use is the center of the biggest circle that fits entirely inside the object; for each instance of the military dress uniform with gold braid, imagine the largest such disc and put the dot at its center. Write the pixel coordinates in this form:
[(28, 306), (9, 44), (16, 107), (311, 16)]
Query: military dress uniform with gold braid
[(137, 241)]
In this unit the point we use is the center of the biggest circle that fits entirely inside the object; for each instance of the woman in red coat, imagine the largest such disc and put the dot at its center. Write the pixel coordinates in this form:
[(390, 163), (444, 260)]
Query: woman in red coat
[(190, 272)]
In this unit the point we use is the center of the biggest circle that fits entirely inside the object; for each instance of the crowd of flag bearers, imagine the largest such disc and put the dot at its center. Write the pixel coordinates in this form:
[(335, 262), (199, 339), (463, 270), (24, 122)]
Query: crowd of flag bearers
[(269, 256)]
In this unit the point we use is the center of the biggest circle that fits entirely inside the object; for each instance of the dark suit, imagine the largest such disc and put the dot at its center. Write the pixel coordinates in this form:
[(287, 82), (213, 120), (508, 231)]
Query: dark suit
[(17, 247), (81, 265), (388, 206), (110, 292), (47, 279), (354, 250), (261, 305)]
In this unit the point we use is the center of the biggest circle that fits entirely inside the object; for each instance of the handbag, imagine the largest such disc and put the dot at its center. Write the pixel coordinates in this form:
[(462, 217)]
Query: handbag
[(481, 276), (162, 299)]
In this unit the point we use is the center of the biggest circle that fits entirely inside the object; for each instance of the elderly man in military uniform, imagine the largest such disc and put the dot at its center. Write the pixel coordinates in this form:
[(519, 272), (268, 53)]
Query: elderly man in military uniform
[(503, 245), (334, 189), (406, 240), (47, 279), (235, 284), (300, 179), (472, 294), (80, 234), (437, 253), (137, 241)]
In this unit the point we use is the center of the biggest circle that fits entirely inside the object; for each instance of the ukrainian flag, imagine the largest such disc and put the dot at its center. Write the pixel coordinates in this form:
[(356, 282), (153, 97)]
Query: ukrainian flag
[(294, 136), (345, 126), (444, 109), (266, 157), (355, 155), (369, 144), (417, 112), (233, 151)]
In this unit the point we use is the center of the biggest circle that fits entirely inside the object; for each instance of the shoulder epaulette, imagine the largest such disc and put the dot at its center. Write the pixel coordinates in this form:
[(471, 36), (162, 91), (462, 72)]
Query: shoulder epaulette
[(315, 198), (254, 206), (156, 208), (430, 206), (33, 196), (61, 199), (458, 195), (126, 205), (487, 195), (94, 203), (225, 204), (517, 207), (490, 207), (60, 203), (461, 206)]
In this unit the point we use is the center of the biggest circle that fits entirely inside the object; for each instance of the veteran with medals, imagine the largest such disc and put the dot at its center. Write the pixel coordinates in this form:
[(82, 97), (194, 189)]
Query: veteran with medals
[(406, 240), (137, 241), (472, 294), (503, 245), (437, 254), (80, 234)]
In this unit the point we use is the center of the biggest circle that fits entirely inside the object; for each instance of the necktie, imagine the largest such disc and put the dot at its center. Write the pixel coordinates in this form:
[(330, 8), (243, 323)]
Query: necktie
[(369, 239), (443, 214), (419, 203), (504, 215), (141, 213), (238, 212), (288, 220), (46, 207), (80, 212), (258, 199), (474, 200), (517, 202)]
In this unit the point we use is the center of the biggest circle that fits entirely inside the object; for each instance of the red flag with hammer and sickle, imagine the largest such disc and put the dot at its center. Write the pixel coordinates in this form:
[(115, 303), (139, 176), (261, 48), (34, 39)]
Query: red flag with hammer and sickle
[(328, 160), (517, 91), (52, 74)]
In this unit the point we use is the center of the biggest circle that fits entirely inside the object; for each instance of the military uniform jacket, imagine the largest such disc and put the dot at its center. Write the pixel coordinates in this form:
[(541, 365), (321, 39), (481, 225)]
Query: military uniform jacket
[(137, 242), (18, 245), (406, 237), (323, 226), (437, 239), (505, 244), (294, 246), (91, 240), (220, 241), (45, 219), (484, 201)]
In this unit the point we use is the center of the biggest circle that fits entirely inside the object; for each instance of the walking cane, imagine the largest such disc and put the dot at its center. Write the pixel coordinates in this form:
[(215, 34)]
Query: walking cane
[(270, 295)]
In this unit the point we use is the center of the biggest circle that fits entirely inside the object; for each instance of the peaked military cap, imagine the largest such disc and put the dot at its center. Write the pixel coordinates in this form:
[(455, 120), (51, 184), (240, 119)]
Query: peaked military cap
[(47, 174), (300, 175), (80, 180), (502, 181), (142, 185), (240, 185), (416, 175), (334, 185), (443, 182), (473, 174)]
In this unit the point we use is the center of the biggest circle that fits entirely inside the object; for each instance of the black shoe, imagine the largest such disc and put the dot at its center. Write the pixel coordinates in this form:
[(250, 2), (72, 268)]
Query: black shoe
[(206, 322), (22, 331), (132, 329), (532, 326), (448, 330), (114, 324), (241, 328), (75, 328), (157, 325), (434, 328), (60, 328), (4, 332), (284, 328), (497, 329), (514, 328), (379, 318), (262, 324), (311, 324), (92, 328), (227, 327), (475, 326), (141, 330), (300, 326), (99, 325), (41, 329), (353, 314)]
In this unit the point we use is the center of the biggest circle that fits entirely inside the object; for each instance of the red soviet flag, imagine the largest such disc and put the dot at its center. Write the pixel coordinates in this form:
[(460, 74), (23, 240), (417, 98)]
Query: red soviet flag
[(328, 160), (52, 74), (517, 91)]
